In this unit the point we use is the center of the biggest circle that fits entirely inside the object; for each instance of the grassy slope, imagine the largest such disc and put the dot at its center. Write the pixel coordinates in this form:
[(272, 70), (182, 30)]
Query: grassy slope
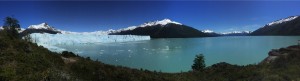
[(25, 61)]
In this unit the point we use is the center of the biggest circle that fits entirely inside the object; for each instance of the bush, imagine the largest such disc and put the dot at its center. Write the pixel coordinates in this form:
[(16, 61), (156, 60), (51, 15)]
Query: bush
[(68, 54)]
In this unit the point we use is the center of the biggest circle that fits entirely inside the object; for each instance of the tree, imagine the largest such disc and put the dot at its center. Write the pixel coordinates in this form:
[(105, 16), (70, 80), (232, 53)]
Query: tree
[(11, 25), (199, 64)]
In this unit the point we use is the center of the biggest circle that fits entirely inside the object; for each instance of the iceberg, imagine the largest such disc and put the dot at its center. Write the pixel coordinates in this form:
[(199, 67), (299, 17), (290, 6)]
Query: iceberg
[(51, 40)]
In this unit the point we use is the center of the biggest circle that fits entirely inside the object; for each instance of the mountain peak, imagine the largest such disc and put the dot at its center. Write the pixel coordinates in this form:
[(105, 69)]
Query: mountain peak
[(45, 24), (161, 22), (283, 20), (41, 26), (153, 23)]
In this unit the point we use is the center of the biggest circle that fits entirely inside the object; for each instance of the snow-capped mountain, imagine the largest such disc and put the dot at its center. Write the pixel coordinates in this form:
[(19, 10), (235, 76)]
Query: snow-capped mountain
[(165, 28), (208, 31), (153, 23), (41, 26), (283, 20), (161, 22), (233, 33), (45, 28), (286, 26), (1, 28)]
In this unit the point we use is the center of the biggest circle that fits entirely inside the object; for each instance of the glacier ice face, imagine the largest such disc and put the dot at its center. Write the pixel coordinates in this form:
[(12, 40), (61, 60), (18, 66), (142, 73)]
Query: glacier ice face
[(50, 40), (68, 38), (86, 33)]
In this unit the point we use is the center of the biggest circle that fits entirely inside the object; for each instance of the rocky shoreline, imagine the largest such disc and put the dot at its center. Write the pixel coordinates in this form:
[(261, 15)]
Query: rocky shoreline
[(275, 53)]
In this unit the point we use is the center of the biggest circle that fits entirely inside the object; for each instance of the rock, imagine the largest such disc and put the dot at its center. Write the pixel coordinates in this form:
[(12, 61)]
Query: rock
[(275, 53), (269, 59)]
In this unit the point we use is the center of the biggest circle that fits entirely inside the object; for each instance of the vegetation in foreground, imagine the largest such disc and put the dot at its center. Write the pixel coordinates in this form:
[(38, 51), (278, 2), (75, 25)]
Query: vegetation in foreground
[(21, 60)]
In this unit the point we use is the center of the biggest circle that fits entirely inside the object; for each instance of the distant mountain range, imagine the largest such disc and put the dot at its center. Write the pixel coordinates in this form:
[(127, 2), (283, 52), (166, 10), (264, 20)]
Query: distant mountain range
[(234, 33), (167, 28), (157, 29), (237, 33), (283, 27)]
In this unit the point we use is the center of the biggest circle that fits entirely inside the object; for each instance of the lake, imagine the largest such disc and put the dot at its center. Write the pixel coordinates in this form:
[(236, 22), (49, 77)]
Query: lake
[(177, 54)]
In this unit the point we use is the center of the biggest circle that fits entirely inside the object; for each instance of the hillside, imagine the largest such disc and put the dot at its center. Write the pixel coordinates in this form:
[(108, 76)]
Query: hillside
[(284, 27)]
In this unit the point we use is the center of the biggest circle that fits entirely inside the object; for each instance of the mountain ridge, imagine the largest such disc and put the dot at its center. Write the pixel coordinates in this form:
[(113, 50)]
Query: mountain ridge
[(289, 26), (165, 28)]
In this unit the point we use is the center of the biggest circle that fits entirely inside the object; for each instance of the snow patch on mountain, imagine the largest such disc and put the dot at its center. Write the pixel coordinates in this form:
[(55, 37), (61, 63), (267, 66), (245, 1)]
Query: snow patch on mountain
[(1, 28), (208, 31), (41, 26), (283, 20), (161, 22)]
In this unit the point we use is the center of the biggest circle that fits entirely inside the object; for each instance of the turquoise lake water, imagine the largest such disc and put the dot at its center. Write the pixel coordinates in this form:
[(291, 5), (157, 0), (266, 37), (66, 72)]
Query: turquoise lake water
[(177, 54)]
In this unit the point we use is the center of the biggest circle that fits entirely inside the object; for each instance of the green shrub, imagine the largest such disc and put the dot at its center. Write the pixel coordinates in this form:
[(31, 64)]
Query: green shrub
[(199, 63), (68, 54)]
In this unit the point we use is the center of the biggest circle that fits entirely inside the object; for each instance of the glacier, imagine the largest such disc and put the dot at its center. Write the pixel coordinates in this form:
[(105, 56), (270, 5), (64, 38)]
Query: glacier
[(51, 40)]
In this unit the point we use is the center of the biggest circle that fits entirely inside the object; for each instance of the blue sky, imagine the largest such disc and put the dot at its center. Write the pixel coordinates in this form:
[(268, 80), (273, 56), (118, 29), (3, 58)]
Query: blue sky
[(85, 16)]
